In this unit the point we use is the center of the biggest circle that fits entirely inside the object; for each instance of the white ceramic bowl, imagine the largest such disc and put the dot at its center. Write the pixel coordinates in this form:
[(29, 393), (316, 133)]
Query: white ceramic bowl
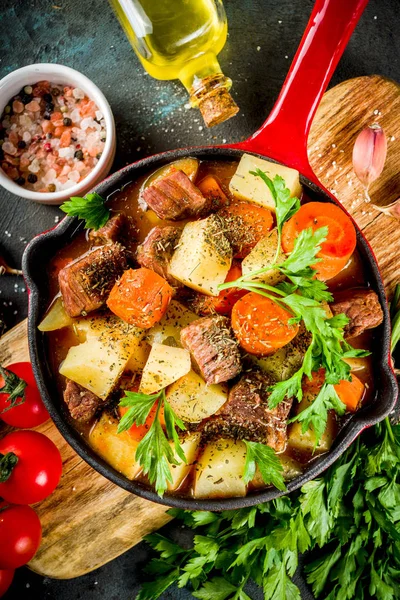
[(59, 74)]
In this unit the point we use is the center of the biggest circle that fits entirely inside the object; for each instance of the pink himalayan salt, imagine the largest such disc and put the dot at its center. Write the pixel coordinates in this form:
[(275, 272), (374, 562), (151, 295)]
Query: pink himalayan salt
[(29, 127)]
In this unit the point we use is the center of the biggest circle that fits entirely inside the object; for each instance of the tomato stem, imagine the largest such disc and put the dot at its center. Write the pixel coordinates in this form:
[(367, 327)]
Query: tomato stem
[(14, 386), (7, 464)]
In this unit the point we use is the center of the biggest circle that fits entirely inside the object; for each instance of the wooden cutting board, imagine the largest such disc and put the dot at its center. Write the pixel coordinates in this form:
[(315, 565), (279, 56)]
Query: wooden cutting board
[(88, 521)]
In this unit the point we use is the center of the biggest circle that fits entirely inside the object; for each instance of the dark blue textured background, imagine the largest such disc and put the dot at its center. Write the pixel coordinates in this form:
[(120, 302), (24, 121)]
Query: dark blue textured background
[(151, 117)]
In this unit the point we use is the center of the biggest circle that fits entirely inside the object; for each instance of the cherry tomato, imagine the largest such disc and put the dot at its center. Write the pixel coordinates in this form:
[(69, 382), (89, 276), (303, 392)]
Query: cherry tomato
[(20, 535), (6, 577), (21, 394), (37, 471)]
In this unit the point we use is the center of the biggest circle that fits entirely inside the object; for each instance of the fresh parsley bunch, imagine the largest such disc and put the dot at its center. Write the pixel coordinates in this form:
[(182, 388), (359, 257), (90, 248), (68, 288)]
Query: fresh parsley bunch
[(349, 519)]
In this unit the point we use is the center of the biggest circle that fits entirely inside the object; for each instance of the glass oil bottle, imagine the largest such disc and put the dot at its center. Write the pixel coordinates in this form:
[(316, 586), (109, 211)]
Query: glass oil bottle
[(180, 39)]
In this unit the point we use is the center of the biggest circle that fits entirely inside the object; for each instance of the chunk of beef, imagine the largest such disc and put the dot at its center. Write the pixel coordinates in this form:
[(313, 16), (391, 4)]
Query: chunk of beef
[(86, 282), (111, 232), (156, 251), (174, 197), (361, 307), (81, 403), (246, 414), (212, 345)]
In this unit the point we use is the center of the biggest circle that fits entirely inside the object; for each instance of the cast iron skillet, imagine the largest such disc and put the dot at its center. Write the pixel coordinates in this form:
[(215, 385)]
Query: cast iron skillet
[(282, 138)]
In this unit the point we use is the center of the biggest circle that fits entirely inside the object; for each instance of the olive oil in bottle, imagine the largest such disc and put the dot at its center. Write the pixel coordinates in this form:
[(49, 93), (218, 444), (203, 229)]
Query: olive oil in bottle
[(180, 39)]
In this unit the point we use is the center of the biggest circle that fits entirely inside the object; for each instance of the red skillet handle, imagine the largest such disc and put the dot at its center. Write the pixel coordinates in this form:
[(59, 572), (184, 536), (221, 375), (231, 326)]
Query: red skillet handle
[(284, 134)]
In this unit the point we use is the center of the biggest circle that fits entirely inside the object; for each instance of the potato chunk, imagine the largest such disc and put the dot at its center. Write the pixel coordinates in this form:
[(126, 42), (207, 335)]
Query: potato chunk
[(252, 188), (168, 329), (139, 358), (203, 257), (165, 365), (283, 363), (219, 470), (107, 345), (118, 449), (262, 255), (56, 317), (190, 447), (193, 400)]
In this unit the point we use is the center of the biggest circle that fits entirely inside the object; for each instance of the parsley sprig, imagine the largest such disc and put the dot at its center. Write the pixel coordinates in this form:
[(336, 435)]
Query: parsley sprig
[(154, 453), (91, 208), (304, 296)]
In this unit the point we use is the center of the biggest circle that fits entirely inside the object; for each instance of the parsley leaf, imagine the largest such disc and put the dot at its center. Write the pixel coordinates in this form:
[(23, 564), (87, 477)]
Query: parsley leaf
[(155, 453), (217, 588), (265, 458), (306, 247), (316, 415), (139, 407), (91, 208), (285, 205)]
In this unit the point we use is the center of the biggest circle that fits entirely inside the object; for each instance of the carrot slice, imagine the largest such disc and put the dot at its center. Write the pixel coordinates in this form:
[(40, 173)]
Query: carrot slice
[(141, 297), (260, 325), (211, 189), (351, 392), (226, 299), (246, 225), (341, 240)]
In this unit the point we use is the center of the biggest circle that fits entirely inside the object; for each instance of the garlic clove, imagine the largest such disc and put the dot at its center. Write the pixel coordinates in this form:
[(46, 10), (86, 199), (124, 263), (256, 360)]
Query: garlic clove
[(369, 154), (392, 210)]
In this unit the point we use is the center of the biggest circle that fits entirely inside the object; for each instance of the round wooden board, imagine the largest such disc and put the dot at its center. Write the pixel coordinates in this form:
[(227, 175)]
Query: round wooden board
[(88, 521)]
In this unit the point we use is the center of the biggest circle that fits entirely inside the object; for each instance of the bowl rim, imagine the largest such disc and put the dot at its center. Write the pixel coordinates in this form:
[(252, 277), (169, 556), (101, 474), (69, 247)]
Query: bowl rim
[(48, 70), (352, 427)]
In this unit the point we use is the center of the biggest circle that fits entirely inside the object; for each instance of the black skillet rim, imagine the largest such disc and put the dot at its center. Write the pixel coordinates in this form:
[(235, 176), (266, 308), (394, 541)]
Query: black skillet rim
[(383, 404)]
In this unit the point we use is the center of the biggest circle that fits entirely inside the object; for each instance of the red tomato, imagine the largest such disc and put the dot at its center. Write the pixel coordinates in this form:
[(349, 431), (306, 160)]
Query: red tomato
[(29, 410), (38, 470), (6, 577), (20, 535)]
